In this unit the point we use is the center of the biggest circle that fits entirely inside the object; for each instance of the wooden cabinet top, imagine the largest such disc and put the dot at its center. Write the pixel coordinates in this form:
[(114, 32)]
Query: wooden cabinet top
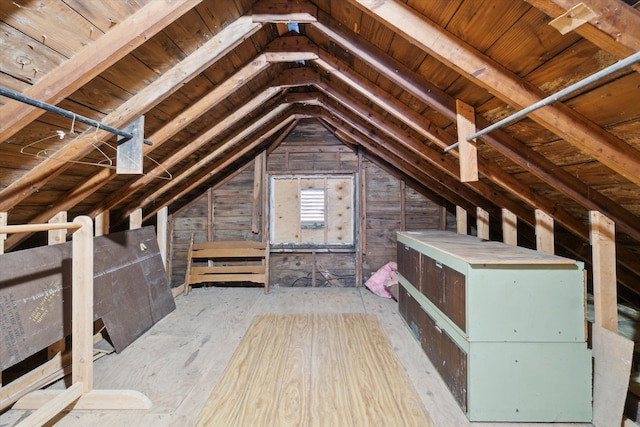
[(473, 250)]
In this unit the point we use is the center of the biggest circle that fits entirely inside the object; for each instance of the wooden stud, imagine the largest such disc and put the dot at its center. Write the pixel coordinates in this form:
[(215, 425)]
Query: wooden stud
[(188, 269), (443, 217), (363, 204), (102, 223), (59, 235), (482, 223), (358, 223), (82, 304), (509, 227), (461, 220), (603, 248), (135, 219), (162, 230), (258, 177), (210, 210), (264, 232), (3, 236), (403, 208), (468, 153), (544, 232)]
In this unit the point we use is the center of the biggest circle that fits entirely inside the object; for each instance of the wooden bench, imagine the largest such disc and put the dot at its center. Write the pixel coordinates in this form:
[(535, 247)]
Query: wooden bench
[(227, 261)]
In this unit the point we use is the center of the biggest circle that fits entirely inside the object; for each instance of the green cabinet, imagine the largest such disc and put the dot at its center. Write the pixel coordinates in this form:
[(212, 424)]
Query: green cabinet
[(503, 325)]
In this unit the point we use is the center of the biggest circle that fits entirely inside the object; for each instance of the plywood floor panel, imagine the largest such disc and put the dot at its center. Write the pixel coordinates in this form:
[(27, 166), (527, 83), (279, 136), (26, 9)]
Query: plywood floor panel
[(277, 392)]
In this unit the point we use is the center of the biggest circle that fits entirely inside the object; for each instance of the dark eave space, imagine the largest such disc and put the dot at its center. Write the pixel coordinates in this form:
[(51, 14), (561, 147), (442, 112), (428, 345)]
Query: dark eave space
[(219, 82)]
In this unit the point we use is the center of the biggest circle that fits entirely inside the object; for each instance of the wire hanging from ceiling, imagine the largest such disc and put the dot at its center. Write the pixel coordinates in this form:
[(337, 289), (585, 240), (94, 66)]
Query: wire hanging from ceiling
[(107, 162)]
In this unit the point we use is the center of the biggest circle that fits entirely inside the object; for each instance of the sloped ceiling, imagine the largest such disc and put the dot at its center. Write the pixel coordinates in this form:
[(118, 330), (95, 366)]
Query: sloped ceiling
[(218, 81)]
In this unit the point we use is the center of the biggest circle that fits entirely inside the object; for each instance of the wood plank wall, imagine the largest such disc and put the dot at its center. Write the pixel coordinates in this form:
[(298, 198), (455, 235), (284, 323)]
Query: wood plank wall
[(309, 148)]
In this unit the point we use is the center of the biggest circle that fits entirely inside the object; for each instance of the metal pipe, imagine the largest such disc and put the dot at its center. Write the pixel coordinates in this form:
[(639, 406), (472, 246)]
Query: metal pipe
[(66, 113), (630, 60)]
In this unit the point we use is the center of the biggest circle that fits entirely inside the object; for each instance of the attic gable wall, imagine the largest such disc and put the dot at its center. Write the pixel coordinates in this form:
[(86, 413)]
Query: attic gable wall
[(390, 206)]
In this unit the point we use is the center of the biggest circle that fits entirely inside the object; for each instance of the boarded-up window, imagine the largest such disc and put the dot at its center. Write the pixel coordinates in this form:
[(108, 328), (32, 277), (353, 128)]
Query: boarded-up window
[(312, 210)]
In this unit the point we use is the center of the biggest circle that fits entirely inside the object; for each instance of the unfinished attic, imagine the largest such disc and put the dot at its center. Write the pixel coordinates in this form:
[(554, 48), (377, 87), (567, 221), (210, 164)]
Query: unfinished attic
[(317, 212)]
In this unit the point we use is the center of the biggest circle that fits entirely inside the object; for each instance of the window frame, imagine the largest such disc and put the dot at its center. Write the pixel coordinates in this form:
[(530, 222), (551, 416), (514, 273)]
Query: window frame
[(326, 244)]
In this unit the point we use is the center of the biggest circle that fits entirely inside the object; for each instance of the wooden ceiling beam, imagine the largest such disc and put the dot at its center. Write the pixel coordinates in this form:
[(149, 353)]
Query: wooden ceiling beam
[(291, 49), (434, 97), (560, 119), (91, 61), (137, 105), (299, 11), (615, 29)]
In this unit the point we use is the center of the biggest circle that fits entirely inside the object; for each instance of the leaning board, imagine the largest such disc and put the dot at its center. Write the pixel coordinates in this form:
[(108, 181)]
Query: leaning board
[(314, 369), (131, 292)]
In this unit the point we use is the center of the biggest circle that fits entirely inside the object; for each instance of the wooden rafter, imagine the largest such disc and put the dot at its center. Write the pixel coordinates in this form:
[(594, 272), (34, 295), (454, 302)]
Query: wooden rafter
[(198, 142), (208, 54), (91, 61), (228, 146), (506, 85), (421, 125), (430, 94), (378, 147), (397, 155), (282, 123), (137, 105)]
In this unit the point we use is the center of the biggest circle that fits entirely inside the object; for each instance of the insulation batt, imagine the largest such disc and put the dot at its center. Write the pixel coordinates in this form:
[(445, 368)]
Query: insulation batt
[(385, 277)]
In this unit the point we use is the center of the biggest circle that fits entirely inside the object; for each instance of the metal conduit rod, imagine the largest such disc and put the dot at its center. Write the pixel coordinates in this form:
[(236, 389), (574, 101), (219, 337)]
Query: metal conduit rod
[(628, 61), (66, 113)]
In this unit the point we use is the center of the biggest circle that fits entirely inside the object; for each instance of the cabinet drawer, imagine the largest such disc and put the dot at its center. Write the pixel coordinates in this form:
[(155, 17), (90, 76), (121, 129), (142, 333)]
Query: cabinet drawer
[(409, 264), (446, 289), (449, 360)]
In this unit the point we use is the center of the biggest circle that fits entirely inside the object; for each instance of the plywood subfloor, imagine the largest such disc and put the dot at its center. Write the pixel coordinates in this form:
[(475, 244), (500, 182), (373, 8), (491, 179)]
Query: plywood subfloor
[(179, 361), (314, 370)]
